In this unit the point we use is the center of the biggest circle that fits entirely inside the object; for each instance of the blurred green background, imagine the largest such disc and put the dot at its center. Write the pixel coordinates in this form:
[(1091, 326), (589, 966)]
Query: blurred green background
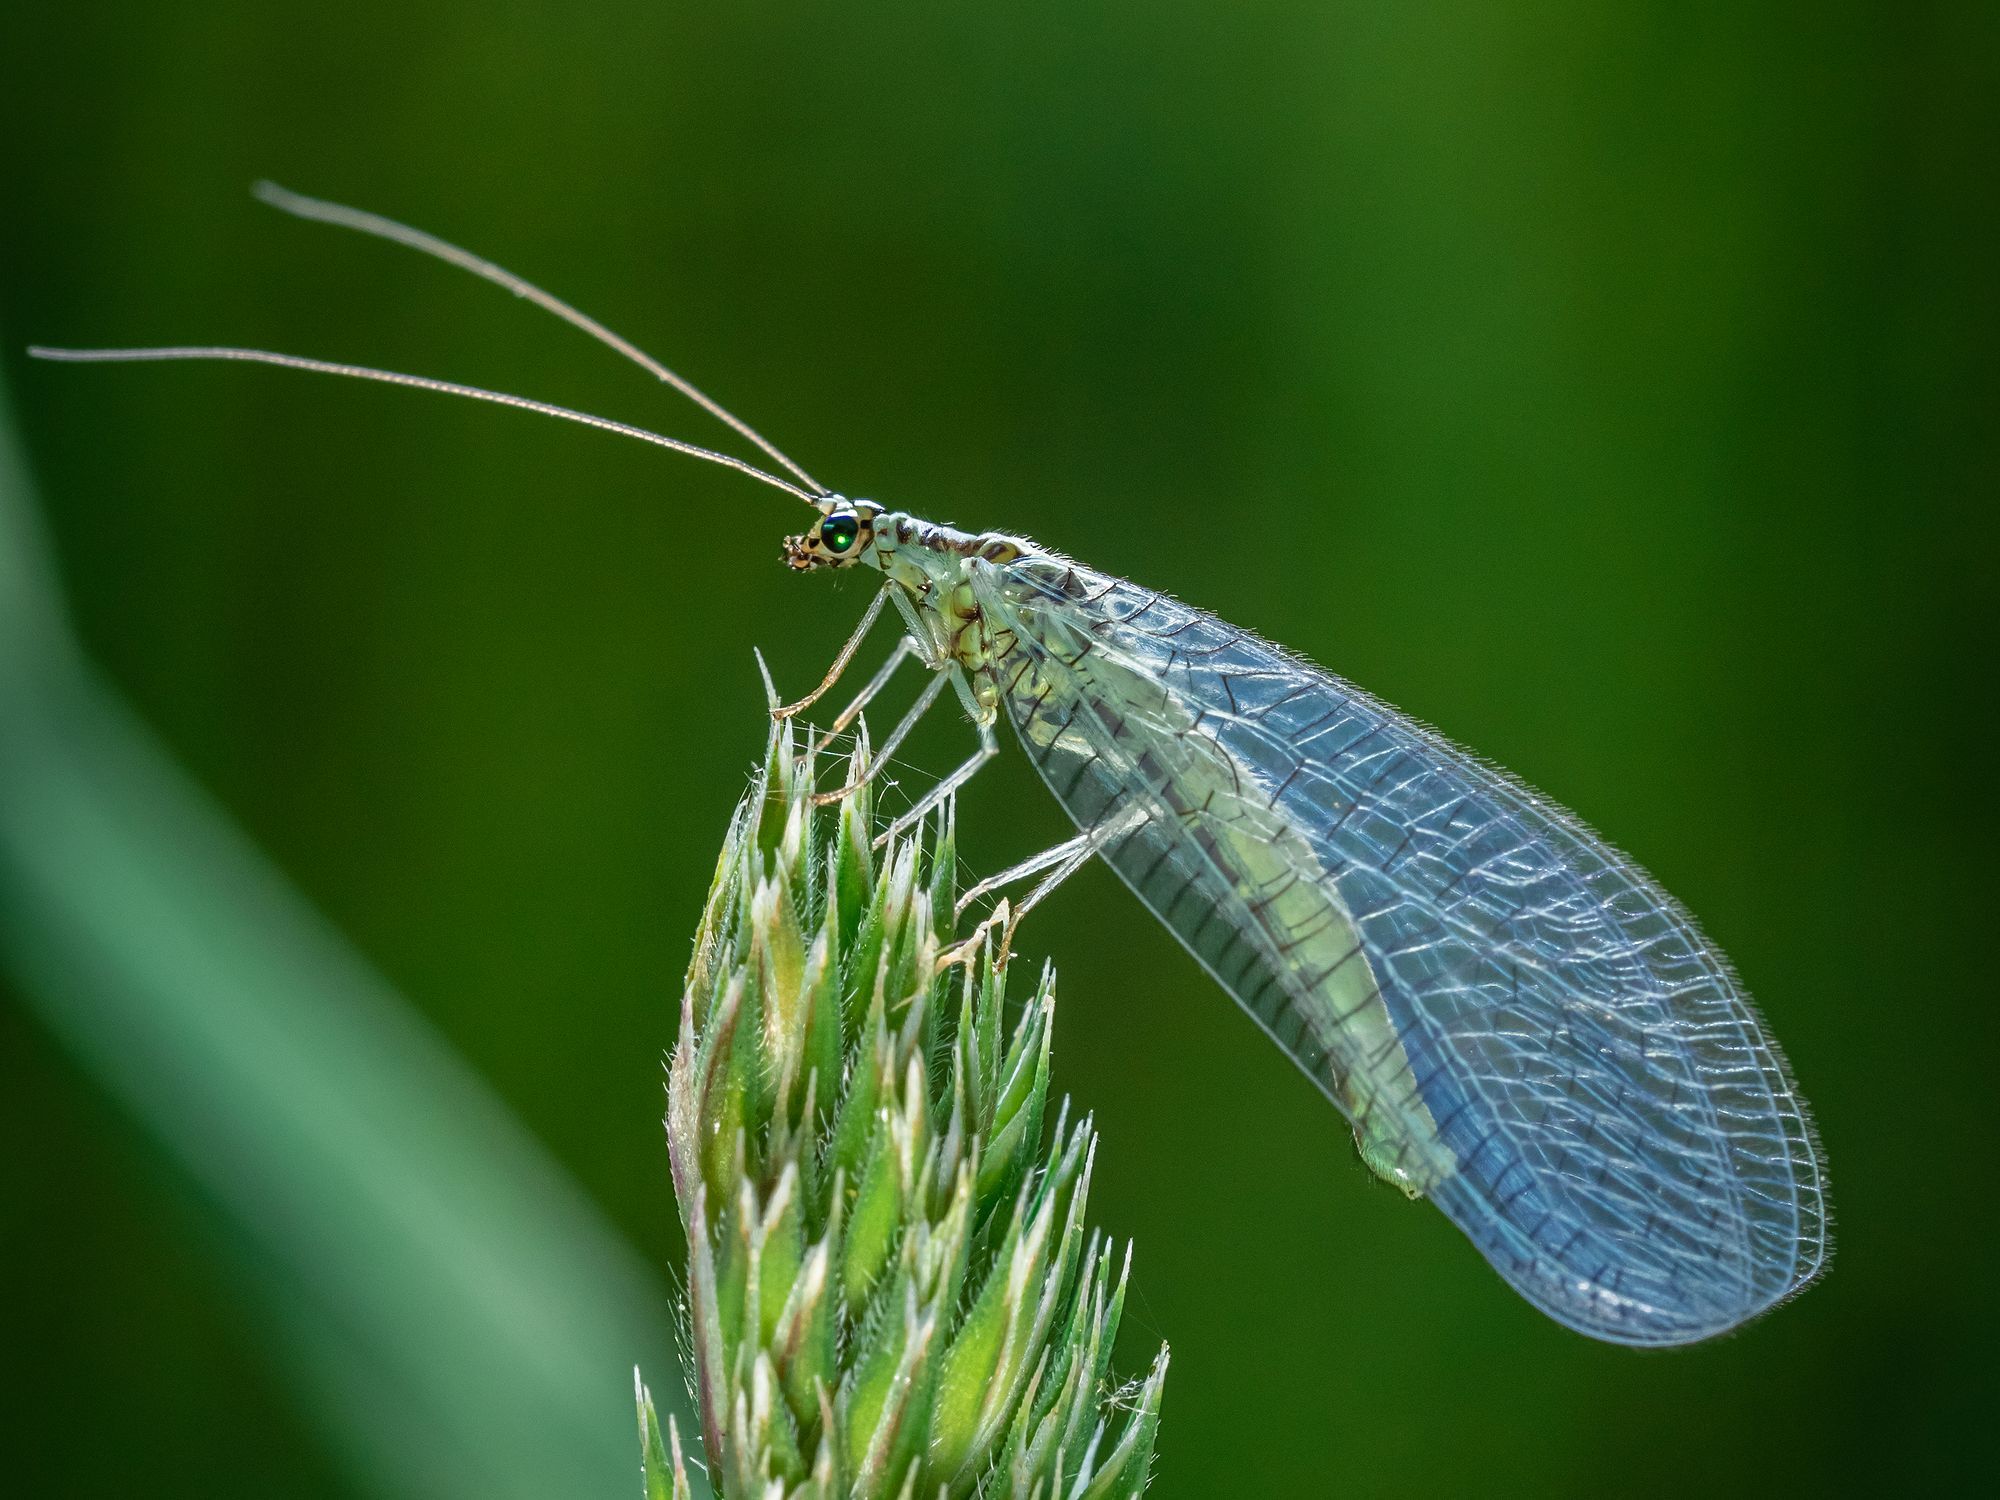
[(1598, 383)]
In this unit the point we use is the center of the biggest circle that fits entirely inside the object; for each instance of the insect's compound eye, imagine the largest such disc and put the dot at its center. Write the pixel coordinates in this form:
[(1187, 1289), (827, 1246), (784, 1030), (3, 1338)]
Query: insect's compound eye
[(837, 533)]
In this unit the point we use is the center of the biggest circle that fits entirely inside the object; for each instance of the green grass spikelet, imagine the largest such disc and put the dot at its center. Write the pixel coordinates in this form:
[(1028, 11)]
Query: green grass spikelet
[(892, 1290)]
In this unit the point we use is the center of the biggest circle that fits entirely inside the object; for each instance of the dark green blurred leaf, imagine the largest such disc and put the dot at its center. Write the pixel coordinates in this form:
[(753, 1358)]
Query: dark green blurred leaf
[(460, 1317)]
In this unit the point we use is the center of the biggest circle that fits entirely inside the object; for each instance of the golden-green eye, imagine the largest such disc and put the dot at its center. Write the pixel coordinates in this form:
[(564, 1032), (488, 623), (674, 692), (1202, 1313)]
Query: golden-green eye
[(838, 532)]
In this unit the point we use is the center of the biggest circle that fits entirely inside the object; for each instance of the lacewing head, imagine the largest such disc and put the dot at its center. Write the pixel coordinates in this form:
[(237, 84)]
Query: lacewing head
[(844, 536)]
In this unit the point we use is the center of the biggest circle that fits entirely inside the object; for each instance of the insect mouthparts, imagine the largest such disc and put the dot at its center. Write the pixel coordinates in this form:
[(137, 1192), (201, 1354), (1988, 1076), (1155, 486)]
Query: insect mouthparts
[(798, 555)]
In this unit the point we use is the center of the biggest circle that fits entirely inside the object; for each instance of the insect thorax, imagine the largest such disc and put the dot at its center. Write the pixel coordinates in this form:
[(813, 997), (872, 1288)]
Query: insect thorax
[(933, 564)]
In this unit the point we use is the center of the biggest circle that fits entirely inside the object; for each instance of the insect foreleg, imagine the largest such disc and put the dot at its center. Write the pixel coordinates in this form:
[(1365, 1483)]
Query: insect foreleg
[(868, 618)]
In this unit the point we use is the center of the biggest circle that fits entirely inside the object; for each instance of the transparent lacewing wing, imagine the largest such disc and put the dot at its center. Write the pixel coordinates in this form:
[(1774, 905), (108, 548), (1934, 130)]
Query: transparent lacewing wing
[(1518, 1023)]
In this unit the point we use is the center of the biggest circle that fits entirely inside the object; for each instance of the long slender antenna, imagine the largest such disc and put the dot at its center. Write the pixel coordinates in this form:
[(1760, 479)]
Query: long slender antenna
[(422, 383), (364, 222)]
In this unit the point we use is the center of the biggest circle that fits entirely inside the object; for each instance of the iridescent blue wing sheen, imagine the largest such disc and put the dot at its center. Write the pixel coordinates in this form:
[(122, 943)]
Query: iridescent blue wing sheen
[(1575, 1075)]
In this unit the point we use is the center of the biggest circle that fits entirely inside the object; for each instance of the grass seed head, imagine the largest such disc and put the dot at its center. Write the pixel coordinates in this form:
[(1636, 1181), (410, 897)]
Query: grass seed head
[(892, 1289)]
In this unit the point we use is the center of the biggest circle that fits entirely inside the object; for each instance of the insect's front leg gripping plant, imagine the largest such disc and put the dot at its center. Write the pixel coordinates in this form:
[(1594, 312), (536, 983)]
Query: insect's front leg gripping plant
[(892, 1289)]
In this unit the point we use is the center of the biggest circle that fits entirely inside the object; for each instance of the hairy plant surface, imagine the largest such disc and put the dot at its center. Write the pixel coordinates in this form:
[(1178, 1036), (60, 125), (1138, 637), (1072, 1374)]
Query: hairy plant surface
[(892, 1290)]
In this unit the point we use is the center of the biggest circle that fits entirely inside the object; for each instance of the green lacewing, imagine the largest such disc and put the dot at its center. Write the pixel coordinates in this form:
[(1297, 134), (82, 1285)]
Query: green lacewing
[(1518, 1023)]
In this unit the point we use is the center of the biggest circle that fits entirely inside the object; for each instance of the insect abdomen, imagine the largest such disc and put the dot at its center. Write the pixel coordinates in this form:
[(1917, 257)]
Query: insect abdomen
[(1190, 833)]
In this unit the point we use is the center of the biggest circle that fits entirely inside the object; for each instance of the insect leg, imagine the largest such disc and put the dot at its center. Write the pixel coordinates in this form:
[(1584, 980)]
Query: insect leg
[(1077, 852), (1033, 864), (1068, 858), (903, 652), (988, 748), (897, 735), (868, 618)]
